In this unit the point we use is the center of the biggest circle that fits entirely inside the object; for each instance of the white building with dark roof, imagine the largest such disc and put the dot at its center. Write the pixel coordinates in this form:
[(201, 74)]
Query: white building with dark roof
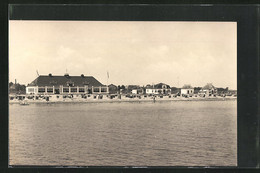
[(208, 90), (187, 90), (159, 88), (66, 85)]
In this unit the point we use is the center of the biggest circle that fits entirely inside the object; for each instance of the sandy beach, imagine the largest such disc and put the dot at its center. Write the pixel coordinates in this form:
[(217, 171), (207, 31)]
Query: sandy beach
[(79, 99)]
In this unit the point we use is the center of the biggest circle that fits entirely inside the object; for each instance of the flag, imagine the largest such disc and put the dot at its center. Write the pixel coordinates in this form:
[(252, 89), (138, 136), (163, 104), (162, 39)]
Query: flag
[(107, 74)]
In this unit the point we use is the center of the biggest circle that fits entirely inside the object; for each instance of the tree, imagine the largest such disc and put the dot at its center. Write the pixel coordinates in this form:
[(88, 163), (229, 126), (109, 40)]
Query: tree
[(197, 89), (226, 89)]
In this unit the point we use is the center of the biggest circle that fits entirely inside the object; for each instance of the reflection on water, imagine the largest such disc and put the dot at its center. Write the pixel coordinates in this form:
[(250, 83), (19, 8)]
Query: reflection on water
[(177, 133)]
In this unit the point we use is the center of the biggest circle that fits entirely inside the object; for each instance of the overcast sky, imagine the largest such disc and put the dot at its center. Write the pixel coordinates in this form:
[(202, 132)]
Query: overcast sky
[(175, 53)]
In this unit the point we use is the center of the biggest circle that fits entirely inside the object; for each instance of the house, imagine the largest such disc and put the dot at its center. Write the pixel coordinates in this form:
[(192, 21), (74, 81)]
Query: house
[(134, 89), (66, 84), (137, 90), (208, 90), (122, 89), (113, 89), (159, 88), (187, 90)]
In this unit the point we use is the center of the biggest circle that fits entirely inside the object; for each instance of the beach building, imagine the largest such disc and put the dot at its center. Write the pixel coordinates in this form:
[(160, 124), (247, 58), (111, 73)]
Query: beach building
[(134, 89), (208, 90), (137, 91), (187, 90), (113, 89), (66, 84), (159, 88)]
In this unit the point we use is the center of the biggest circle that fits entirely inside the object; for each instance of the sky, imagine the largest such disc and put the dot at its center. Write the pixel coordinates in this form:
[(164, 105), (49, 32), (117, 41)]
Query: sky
[(141, 53)]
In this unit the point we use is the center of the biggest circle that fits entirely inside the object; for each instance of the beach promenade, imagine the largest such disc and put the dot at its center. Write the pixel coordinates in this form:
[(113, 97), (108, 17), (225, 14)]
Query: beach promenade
[(111, 98)]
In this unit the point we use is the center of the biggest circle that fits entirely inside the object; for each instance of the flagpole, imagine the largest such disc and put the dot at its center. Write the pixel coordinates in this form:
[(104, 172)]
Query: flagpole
[(107, 77)]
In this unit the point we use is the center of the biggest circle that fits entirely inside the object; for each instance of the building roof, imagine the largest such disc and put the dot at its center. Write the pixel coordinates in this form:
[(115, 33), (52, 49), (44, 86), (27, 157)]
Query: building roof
[(131, 87), (64, 80), (157, 86), (187, 86), (112, 85), (209, 86)]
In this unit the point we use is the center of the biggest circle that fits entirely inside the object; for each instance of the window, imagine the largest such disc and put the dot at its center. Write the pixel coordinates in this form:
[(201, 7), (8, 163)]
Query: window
[(70, 83), (65, 90), (85, 83), (96, 89), (73, 90), (41, 90), (31, 90), (103, 89), (49, 90), (81, 90)]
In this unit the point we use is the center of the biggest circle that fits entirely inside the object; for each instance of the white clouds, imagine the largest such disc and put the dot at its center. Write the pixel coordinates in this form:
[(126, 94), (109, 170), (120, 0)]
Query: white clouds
[(133, 52), (64, 52)]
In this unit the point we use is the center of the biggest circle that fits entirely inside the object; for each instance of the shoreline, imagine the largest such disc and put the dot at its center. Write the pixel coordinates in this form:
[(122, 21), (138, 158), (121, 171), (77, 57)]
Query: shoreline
[(116, 100)]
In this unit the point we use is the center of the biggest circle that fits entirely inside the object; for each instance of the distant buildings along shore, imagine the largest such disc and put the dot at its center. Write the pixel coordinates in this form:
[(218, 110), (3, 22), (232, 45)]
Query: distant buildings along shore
[(66, 84), (206, 91)]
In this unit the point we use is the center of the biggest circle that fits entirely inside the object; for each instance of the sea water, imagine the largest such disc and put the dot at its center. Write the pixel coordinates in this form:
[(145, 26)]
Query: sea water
[(169, 133)]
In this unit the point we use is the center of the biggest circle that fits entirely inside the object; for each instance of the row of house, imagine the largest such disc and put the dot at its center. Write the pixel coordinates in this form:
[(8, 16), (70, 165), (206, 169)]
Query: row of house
[(159, 88), (49, 84), (207, 90)]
